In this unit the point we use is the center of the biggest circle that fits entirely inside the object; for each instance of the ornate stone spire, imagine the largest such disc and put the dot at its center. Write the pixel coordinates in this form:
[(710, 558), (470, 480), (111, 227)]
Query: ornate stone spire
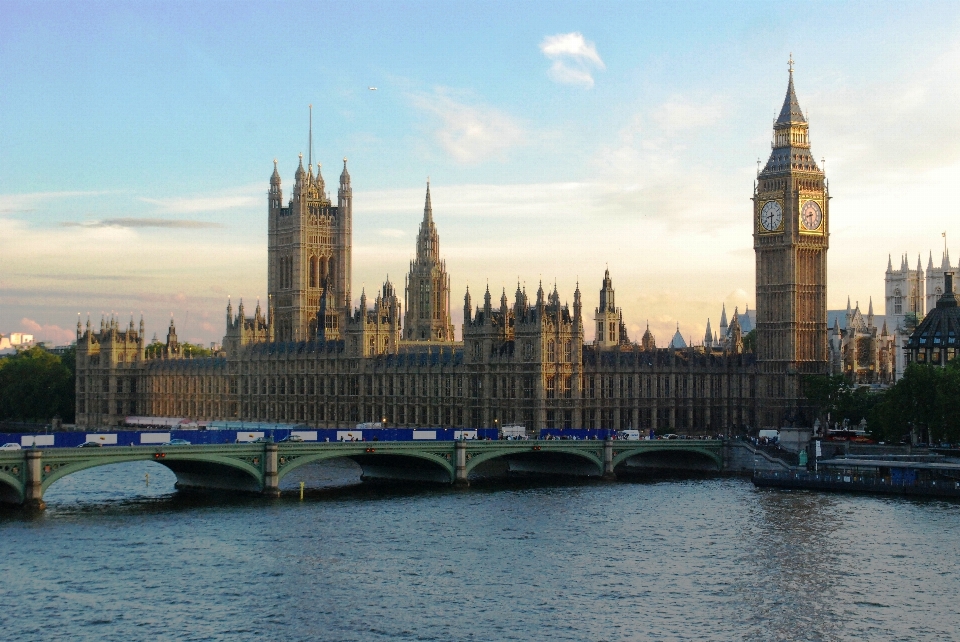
[(428, 241), (790, 113), (275, 177), (300, 174), (791, 139), (428, 286)]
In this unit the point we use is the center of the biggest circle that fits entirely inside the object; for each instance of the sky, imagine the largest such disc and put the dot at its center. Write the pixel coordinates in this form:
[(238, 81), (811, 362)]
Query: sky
[(561, 139)]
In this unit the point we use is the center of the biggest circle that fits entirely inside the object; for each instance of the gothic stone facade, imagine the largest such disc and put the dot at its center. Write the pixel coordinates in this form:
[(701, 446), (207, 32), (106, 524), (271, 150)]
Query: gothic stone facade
[(314, 361)]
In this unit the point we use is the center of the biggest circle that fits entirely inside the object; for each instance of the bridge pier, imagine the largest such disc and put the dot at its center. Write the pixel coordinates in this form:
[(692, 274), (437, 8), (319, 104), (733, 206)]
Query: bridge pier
[(33, 492), (460, 470), (271, 481), (608, 474)]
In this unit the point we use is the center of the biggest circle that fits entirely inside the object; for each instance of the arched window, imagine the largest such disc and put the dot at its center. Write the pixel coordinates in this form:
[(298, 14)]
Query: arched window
[(551, 350)]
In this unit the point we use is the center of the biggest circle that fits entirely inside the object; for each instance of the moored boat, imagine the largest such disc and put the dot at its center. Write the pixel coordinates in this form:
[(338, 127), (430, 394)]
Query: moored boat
[(924, 475)]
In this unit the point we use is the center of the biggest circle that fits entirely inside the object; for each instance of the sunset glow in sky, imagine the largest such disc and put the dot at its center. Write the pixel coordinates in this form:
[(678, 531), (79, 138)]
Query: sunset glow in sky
[(137, 141)]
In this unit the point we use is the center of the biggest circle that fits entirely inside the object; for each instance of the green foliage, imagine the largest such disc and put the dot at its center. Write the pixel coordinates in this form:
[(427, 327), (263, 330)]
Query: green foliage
[(926, 399), (750, 341), (836, 397), (36, 385), (155, 350), (193, 350)]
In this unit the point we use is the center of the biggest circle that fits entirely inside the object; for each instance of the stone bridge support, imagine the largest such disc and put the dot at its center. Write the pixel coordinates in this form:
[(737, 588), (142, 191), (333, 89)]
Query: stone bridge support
[(608, 473), (271, 481), (460, 471), (33, 492)]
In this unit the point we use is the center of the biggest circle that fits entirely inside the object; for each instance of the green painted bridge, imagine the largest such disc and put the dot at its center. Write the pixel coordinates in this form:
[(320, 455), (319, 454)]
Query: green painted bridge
[(25, 475)]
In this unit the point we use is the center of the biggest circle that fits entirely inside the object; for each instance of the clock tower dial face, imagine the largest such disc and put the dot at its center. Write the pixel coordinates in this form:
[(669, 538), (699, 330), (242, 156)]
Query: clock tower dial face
[(811, 216), (771, 216)]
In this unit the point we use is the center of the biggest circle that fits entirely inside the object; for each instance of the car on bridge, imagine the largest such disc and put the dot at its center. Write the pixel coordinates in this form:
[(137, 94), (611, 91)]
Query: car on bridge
[(177, 442), (10, 446), (90, 444), (292, 439)]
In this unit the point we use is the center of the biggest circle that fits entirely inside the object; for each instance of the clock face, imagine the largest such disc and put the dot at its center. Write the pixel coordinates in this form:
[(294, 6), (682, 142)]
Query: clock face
[(771, 216), (811, 215)]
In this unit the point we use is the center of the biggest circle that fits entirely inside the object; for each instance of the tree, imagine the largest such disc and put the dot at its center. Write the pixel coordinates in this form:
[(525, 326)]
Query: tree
[(193, 350), (833, 395), (155, 350), (36, 385), (750, 341), (926, 401)]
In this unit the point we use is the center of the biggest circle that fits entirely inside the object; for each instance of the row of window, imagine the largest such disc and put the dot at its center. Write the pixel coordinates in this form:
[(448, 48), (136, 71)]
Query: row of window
[(505, 387)]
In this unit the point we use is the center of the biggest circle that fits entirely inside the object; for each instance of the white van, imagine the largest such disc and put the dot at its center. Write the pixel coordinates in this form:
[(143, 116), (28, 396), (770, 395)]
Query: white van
[(629, 435), (513, 431)]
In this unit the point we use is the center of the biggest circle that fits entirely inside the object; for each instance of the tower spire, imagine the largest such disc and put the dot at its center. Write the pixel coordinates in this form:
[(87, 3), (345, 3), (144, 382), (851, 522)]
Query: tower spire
[(790, 112), (428, 205)]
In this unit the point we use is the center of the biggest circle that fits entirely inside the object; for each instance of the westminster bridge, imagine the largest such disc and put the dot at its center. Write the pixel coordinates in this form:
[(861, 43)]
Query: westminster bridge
[(260, 467)]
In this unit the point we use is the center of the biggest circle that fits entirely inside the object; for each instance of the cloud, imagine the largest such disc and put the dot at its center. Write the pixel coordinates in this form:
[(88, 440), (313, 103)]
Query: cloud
[(80, 277), (391, 233), (22, 203), (574, 58), (470, 133), (192, 205), (49, 333), (142, 222)]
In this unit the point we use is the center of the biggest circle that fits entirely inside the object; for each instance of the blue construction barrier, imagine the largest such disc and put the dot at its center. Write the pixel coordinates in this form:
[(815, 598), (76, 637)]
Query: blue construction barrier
[(577, 433), (251, 432)]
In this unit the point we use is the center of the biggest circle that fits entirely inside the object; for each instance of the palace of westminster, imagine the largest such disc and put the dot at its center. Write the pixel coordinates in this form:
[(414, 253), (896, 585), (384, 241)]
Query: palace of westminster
[(310, 359)]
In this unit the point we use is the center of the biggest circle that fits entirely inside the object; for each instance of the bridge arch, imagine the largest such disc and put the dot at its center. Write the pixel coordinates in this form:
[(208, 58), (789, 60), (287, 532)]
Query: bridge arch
[(533, 448), (11, 488), (289, 463), (713, 455), (172, 461)]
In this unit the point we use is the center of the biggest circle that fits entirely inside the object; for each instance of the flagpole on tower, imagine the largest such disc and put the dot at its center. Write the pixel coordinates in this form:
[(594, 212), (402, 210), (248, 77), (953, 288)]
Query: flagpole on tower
[(310, 144)]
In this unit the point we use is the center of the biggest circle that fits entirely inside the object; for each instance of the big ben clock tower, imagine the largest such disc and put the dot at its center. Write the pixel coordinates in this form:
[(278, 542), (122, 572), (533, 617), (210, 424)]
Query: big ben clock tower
[(791, 206)]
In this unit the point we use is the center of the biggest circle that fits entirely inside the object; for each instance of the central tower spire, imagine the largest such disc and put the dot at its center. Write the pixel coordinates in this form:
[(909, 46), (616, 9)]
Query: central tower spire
[(427, 316)]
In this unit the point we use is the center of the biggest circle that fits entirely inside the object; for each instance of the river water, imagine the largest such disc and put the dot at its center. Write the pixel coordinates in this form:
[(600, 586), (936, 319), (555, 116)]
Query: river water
[(698, 559)]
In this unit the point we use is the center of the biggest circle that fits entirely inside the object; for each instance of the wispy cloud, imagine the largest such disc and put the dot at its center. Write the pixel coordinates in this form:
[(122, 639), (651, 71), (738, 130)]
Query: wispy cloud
[(191, 205), (81, 277), (143, 222), (470, 133), (20, 203), (574, 58)]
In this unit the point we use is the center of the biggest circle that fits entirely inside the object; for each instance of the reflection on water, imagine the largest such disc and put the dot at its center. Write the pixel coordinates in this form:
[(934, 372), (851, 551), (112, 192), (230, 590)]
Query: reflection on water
[(116, 559)]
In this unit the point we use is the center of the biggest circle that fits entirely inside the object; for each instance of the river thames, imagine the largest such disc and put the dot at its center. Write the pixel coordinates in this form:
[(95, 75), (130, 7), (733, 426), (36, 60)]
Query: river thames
[(113, 558)]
